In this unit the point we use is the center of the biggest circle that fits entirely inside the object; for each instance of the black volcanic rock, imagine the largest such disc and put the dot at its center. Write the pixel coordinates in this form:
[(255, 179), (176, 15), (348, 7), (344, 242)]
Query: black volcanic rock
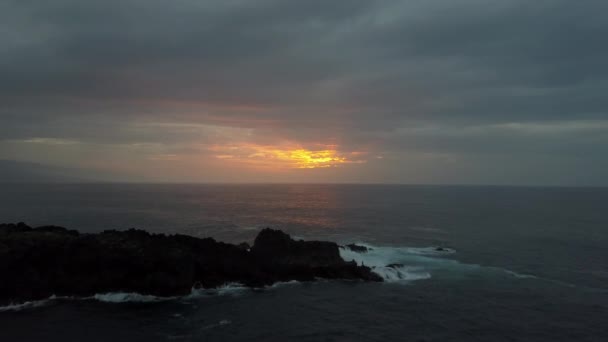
[(14, 228), (287, 259), (358, 248), (277, 247), (36, 263)]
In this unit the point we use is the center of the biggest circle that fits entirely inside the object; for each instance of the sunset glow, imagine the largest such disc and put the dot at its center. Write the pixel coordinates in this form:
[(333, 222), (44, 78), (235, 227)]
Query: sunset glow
[(288, 156), (312, 159)]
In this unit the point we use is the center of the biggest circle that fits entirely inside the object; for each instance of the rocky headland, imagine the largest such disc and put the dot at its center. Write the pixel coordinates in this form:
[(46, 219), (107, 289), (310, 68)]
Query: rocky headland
[(36, 263)]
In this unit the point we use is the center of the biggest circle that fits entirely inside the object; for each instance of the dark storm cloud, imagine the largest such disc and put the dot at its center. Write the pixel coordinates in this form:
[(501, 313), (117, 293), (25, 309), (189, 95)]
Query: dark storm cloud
[(365, 54), (116, 48), (432, 76)]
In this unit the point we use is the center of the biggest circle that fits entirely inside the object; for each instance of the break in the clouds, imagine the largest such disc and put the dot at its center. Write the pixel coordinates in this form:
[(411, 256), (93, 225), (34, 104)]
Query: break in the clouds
[(419, 91)]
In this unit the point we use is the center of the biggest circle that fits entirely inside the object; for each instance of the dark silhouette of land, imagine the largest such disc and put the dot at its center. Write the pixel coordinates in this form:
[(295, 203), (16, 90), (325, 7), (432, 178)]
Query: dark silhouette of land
[(36, 263)]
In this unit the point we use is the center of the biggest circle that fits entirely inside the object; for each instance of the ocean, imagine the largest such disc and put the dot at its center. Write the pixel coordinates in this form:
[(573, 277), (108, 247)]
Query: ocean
[(514, 263)]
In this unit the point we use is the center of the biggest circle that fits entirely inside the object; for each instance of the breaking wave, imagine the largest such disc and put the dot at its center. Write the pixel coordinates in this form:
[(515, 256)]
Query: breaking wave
[(132, 297), (406, 264), (393, 264), (126, 297), (230, 289), (26, 305), (396, 264)]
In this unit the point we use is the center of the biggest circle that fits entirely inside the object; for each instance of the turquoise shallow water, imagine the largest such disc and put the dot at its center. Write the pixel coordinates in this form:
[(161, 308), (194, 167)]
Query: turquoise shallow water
[(520, 263)]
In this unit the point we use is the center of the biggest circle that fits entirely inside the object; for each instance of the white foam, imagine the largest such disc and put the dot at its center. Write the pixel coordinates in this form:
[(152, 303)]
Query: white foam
[(129, 297), (26, 305), (432, 251), (401, 274), (230, 289), (215, 325), (282, 283), (395, 264), (520, 275), (126, 297), (196, 292), (415, 263)]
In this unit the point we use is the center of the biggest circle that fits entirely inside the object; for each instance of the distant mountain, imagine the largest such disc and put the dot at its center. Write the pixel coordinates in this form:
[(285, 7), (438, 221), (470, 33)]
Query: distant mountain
[(12, 171)]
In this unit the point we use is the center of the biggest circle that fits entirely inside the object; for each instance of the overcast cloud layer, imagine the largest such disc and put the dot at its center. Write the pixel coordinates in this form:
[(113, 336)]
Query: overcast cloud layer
[(417, 91)]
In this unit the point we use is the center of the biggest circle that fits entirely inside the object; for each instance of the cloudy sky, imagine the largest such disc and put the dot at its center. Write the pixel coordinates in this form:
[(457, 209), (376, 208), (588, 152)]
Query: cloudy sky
[(416, 91)]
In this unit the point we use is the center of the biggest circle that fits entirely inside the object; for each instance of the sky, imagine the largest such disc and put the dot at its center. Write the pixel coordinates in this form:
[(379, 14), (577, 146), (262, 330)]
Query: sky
[(348, 91)]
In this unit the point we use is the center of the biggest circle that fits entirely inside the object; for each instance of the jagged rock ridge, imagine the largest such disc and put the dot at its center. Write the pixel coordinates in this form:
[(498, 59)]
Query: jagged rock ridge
[(36, 263)]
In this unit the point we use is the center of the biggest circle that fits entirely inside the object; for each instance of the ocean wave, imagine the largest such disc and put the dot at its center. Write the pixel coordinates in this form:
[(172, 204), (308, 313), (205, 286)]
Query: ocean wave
[(230, 289), (407, 264), (402, 273), (26, 305), (393, 264), (282, 284), (127, 297), (131, 297), (519, 275), (397, 264), (215, 325), (433, 251)]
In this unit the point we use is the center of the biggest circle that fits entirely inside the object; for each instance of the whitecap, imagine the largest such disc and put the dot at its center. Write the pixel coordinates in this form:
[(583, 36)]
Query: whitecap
[(401, 274), (519, 275), (405, 264), (395, 264), (25, 305), (283, 283), (126, 297), (433, 251), (230, 289), (215, 325)]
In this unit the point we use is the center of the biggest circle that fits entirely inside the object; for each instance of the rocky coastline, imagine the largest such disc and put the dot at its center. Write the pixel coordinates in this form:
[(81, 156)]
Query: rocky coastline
[(36, 263)]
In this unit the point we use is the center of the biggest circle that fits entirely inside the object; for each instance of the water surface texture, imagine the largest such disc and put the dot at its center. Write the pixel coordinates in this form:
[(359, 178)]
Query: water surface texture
[(518, 264)]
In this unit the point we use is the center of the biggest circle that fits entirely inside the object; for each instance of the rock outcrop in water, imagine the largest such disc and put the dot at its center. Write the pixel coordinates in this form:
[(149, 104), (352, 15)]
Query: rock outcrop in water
[(36, 263), (357, 248)]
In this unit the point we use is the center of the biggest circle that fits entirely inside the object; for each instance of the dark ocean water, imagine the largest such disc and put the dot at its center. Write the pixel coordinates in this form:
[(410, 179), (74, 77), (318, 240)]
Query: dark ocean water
[(523, 264)]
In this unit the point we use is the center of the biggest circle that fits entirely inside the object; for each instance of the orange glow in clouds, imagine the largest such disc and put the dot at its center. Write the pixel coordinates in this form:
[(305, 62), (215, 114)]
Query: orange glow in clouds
[(280, 157), (303, 158)]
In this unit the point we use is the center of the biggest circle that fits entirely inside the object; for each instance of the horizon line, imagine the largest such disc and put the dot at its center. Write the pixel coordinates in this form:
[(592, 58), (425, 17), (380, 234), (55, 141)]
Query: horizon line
[(102, 182)]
